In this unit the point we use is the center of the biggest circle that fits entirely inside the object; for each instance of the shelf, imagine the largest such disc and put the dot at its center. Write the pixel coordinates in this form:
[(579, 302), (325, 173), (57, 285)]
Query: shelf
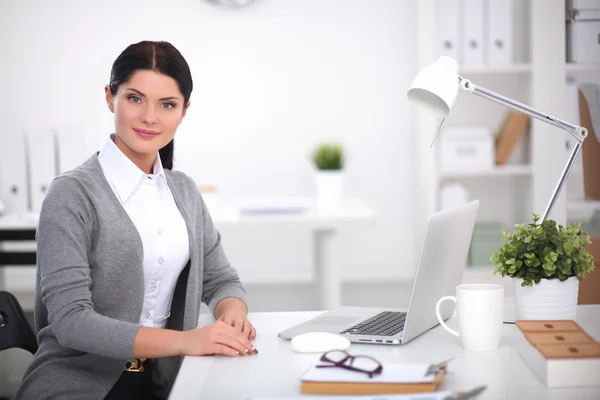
[(582, 210), (584, 205), (507, 70), (499, 171), (593, 67)]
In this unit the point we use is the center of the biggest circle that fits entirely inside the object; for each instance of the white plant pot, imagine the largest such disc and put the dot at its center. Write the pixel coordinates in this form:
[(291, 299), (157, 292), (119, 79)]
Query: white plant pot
[(330, 188), (550, 299)]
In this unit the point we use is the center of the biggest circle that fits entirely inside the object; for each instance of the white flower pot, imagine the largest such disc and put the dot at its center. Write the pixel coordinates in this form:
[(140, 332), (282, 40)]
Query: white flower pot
[(550, 299), (330, 185)]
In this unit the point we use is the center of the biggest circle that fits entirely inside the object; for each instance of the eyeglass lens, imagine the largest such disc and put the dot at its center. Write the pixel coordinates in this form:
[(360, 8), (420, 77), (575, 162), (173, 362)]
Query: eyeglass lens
[(363, 363)]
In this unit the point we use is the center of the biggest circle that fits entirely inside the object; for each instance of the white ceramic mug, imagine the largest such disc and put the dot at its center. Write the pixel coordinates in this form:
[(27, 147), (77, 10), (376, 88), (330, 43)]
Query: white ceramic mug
[(480, 314)]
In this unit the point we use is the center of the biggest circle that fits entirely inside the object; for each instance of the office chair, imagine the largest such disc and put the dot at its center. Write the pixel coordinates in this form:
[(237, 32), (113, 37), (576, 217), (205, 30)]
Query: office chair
[(15, 330)]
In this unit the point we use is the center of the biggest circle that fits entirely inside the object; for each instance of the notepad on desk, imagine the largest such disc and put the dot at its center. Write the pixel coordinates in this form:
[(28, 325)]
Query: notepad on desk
[(395, 378)]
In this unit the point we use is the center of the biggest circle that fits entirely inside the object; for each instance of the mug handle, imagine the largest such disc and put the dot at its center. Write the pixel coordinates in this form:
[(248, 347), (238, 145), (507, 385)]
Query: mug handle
[(439, 317)]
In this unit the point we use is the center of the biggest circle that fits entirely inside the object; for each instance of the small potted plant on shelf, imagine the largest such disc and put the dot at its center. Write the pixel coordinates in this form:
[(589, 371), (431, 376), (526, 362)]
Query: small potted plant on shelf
[(546, 263), (328, 159)]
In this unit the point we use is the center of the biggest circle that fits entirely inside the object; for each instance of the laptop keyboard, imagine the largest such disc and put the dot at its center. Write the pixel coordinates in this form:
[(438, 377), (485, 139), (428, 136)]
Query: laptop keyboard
[(387, 323)]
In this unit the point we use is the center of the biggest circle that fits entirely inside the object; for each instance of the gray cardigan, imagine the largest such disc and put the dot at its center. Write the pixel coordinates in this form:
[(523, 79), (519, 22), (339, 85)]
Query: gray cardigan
[(90, 285)]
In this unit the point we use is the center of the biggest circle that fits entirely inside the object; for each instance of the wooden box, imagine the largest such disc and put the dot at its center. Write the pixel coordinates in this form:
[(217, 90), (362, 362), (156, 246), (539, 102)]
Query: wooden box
[(560, 353)]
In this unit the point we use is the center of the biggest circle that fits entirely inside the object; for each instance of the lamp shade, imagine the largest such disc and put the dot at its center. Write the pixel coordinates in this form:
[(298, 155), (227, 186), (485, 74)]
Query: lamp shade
[(436, 86)]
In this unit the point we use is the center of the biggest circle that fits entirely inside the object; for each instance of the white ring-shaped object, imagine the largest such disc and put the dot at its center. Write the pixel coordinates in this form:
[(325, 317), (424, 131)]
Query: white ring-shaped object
[(582, 132), (466, 85)]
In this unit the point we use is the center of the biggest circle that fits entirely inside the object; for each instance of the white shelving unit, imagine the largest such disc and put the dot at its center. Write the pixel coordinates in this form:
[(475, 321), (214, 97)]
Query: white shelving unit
[(508, 194)]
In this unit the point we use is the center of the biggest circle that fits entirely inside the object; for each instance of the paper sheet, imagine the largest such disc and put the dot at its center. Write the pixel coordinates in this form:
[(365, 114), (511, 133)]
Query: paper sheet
[(392, 373), (414, 396)]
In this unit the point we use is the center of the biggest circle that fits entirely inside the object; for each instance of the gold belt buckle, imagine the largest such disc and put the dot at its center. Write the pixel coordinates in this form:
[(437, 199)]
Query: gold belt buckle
[(135, 365)]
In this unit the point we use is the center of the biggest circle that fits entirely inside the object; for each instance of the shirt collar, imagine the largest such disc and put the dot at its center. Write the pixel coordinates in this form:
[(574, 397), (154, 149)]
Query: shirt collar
[(122, 172)]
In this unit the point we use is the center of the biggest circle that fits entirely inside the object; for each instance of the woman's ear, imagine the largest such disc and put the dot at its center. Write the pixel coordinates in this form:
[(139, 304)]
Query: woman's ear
[(185, 109), (109, 99)]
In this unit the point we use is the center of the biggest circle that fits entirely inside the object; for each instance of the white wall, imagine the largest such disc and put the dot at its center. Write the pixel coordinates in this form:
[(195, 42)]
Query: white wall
[(270, 80)]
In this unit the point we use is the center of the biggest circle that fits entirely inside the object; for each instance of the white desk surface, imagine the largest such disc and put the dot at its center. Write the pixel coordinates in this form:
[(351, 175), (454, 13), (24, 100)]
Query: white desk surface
[(349, 210), (276, 370), (14, 221)]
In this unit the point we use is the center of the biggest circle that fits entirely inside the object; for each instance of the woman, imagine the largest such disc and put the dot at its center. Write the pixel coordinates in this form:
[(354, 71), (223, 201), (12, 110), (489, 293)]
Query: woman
[(127, 252)]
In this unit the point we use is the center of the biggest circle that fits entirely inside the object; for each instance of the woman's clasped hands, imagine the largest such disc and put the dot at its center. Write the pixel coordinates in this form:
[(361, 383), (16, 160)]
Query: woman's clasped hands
[(229, 335)]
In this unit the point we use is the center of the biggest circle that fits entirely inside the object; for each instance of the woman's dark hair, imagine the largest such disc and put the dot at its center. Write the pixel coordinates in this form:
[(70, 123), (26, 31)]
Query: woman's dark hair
[(161, 57)]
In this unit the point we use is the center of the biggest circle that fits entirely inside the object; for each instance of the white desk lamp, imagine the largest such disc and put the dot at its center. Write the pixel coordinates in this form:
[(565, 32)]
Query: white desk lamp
[(436, 88)]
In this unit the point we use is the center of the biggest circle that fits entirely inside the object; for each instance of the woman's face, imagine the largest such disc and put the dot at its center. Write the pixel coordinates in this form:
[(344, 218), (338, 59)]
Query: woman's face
[(148, 109)]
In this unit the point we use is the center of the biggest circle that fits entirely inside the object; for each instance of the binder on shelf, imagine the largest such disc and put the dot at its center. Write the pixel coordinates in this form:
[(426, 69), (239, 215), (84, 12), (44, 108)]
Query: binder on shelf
[(14, 191), (499, 38), (42, 164), (514, 127), (448, 38), (472, 35), (395, 378)]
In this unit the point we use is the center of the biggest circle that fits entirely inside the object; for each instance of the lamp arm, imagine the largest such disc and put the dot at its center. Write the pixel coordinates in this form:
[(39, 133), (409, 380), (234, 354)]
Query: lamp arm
[(578, 132), (561, 181)]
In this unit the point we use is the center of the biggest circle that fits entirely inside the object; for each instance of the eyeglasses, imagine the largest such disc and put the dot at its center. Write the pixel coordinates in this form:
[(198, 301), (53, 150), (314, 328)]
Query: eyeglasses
[(341, 359)]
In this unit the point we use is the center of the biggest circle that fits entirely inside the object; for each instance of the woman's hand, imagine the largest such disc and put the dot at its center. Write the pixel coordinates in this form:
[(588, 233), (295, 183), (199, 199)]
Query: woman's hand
[(233, 311), (238, 320), (218, 338)]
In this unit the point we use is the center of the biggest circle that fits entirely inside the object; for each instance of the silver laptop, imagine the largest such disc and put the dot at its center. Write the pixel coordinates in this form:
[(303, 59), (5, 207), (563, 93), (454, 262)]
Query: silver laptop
[(440, 268)]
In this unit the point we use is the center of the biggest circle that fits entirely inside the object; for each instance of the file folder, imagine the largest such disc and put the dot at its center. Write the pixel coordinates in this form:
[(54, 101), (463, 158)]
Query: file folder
[(472, 37), (448, 39), (500, 17), (13, 166)]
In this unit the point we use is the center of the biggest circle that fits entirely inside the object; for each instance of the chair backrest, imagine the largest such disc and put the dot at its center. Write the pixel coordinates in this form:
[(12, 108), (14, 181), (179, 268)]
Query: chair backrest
[(15, 330)]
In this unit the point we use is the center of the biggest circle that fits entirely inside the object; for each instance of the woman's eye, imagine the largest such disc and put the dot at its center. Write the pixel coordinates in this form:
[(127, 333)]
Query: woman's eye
[(168, 105), (135, 99)]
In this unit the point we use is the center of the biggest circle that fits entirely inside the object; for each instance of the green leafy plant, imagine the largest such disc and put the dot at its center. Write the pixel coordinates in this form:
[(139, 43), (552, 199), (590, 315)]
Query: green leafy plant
[(535, 252), (328, 157)]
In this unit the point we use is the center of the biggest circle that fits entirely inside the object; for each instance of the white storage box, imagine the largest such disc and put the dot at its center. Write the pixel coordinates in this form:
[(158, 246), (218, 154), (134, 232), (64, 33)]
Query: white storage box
[(583, 31), (464, 149)]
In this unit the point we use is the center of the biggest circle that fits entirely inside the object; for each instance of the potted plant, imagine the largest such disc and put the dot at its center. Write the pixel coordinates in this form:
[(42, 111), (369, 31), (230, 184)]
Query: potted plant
[(328, 159), (546, 263)]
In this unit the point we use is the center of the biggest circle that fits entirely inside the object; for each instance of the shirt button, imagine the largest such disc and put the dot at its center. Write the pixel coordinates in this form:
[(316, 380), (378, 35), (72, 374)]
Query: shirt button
[(161, 260), (147, 315), (159, 231), (153, 288)]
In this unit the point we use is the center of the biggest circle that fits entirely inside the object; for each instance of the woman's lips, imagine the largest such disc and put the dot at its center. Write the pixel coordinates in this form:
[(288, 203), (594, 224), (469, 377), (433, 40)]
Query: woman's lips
[(146, 134)]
